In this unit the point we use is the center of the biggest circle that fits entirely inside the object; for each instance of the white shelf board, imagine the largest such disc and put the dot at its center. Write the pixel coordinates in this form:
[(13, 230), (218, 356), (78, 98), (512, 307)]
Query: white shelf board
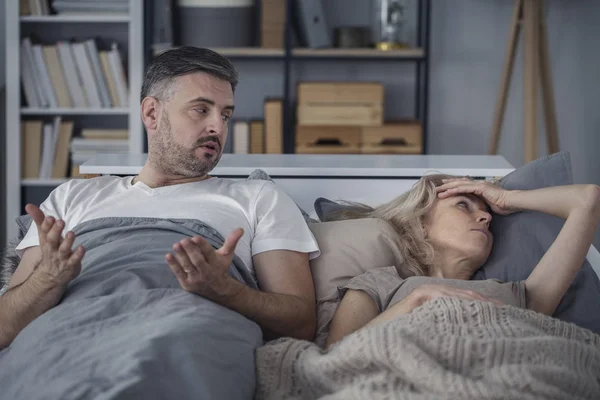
[(358, 53), (43, 182), (75, 18), (321, 165), (74, 111)]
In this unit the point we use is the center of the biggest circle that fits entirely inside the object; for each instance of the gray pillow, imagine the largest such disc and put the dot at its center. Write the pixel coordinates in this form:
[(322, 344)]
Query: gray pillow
[(325, 207), (521, 239)]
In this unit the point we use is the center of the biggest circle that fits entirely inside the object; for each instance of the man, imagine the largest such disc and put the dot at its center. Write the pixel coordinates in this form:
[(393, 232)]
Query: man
[(186, 103)]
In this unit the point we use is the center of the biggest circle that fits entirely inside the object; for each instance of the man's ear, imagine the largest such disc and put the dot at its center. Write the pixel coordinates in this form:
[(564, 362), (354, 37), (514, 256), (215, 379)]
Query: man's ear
[(150, 111)]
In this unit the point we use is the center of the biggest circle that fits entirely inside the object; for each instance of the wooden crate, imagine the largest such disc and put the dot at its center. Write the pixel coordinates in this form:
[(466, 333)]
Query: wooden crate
[(403, 137), (340, 92), (340, 103), (328, 139), (340, 114)]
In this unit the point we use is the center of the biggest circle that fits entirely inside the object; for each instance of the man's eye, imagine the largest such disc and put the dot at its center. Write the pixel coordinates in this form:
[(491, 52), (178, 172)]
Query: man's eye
[(200, 110), (463, 204), (226, 117)]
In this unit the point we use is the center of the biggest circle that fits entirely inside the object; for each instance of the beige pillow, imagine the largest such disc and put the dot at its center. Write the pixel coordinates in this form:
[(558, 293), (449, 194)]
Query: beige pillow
[(348, 249)]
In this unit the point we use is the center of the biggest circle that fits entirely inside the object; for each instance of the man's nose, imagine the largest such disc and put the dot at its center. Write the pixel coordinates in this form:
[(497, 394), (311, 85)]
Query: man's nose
[(215, 123)]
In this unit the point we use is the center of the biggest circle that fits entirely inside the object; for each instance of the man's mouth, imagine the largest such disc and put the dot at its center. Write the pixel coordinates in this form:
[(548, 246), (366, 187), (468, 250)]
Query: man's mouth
[(210, 147)]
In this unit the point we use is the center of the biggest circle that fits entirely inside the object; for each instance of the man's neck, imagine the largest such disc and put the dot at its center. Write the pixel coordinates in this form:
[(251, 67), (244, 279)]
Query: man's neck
[(153, 178)]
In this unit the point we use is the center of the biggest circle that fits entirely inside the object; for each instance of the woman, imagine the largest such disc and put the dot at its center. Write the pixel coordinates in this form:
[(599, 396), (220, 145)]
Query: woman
[(443, 224)]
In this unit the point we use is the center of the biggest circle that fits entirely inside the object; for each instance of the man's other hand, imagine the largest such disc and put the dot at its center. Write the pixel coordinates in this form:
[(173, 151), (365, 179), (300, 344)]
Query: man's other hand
[(202, 270)]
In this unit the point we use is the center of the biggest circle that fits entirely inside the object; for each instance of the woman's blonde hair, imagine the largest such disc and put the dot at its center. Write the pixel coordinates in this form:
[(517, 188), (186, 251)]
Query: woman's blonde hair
[(406, 214)]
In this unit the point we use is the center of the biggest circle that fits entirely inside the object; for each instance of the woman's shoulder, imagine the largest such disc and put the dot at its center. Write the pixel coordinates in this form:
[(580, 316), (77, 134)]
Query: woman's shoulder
[(379, 283)]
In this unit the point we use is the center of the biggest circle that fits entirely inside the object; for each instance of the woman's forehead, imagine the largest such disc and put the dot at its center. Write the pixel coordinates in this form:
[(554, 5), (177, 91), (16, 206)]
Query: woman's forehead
[(474, 199)]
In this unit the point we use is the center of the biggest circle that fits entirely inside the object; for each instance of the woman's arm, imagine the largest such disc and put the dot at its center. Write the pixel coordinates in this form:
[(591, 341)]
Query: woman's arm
[(358, 309), (580, 206), (355, 311)]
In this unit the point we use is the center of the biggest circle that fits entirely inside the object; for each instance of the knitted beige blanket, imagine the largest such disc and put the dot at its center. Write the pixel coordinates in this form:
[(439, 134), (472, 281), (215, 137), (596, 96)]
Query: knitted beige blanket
[(445, 349)]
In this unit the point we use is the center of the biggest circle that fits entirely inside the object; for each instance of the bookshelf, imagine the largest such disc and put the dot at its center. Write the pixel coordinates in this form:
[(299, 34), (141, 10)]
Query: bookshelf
[(127, 30)]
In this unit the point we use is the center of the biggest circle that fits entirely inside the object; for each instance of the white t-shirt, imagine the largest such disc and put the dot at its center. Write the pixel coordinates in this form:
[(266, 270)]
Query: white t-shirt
[(270, 218)]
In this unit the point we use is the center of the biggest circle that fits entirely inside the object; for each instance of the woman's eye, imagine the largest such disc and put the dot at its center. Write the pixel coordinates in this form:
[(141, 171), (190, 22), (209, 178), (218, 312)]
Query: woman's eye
[(463, 204)]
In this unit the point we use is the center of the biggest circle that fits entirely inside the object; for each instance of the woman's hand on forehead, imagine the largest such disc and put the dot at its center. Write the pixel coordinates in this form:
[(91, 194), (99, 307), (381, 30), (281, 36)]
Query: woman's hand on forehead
[(494, 196)]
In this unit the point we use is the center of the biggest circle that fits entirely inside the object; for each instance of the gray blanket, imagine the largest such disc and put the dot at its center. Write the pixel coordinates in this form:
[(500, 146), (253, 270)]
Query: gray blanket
[(126, 330), (445, 349)]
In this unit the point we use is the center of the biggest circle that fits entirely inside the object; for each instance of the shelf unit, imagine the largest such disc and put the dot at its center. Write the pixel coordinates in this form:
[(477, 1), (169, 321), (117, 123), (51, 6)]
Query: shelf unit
[(289, 55), (94, 26)]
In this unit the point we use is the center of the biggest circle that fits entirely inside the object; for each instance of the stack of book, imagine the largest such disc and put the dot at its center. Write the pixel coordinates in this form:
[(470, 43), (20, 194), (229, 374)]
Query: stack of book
[(97, 141), (94, 7), (73, 75), (34, 7), (75, 7)]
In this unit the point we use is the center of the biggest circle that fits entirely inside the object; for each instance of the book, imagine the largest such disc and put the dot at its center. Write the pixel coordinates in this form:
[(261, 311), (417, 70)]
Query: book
[(110, 80), (273, 126), (61, 154), (73, 78), (257, 137), (94, 58), (241, 137), (57, 77), (31, 149), (42, 71), (105, 134), (82, 61), (50, 134), (118, 74)]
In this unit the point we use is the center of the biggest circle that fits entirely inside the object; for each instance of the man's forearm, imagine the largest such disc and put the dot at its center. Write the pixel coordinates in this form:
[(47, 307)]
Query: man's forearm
[(277, 314), (23, 303)]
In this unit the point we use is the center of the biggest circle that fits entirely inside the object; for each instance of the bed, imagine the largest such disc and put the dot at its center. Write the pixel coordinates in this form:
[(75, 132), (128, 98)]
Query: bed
[(124, 342)]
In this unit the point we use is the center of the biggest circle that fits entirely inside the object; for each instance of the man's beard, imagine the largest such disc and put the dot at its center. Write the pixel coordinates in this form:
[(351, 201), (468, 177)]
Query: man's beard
[(171, 158)]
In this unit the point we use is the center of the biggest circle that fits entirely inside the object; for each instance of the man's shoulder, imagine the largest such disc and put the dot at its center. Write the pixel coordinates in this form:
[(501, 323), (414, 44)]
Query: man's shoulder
[(76, 185), (255, 185)]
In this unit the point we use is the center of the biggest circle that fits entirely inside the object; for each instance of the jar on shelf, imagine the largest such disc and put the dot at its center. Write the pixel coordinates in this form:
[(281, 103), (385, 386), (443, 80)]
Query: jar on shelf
[(390, 24)]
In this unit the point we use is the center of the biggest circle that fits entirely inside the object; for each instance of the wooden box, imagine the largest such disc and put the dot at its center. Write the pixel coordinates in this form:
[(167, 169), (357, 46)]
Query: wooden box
[(403, 137), (328, 139), (340, 103)]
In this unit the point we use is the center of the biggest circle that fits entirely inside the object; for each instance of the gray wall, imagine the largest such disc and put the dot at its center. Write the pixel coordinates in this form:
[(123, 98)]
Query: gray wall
[(468, 49)]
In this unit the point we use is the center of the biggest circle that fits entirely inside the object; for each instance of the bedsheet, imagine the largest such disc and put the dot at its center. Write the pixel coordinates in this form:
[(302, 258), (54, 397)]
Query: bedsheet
[(445, 349), (125, 329)]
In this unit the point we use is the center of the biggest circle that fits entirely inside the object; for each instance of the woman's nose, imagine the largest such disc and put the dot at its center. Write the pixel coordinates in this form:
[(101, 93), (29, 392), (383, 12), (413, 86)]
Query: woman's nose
[(484, 217)]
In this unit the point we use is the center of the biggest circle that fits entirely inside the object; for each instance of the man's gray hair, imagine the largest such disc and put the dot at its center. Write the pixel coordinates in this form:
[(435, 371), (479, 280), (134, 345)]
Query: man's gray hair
[(167, 66)]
